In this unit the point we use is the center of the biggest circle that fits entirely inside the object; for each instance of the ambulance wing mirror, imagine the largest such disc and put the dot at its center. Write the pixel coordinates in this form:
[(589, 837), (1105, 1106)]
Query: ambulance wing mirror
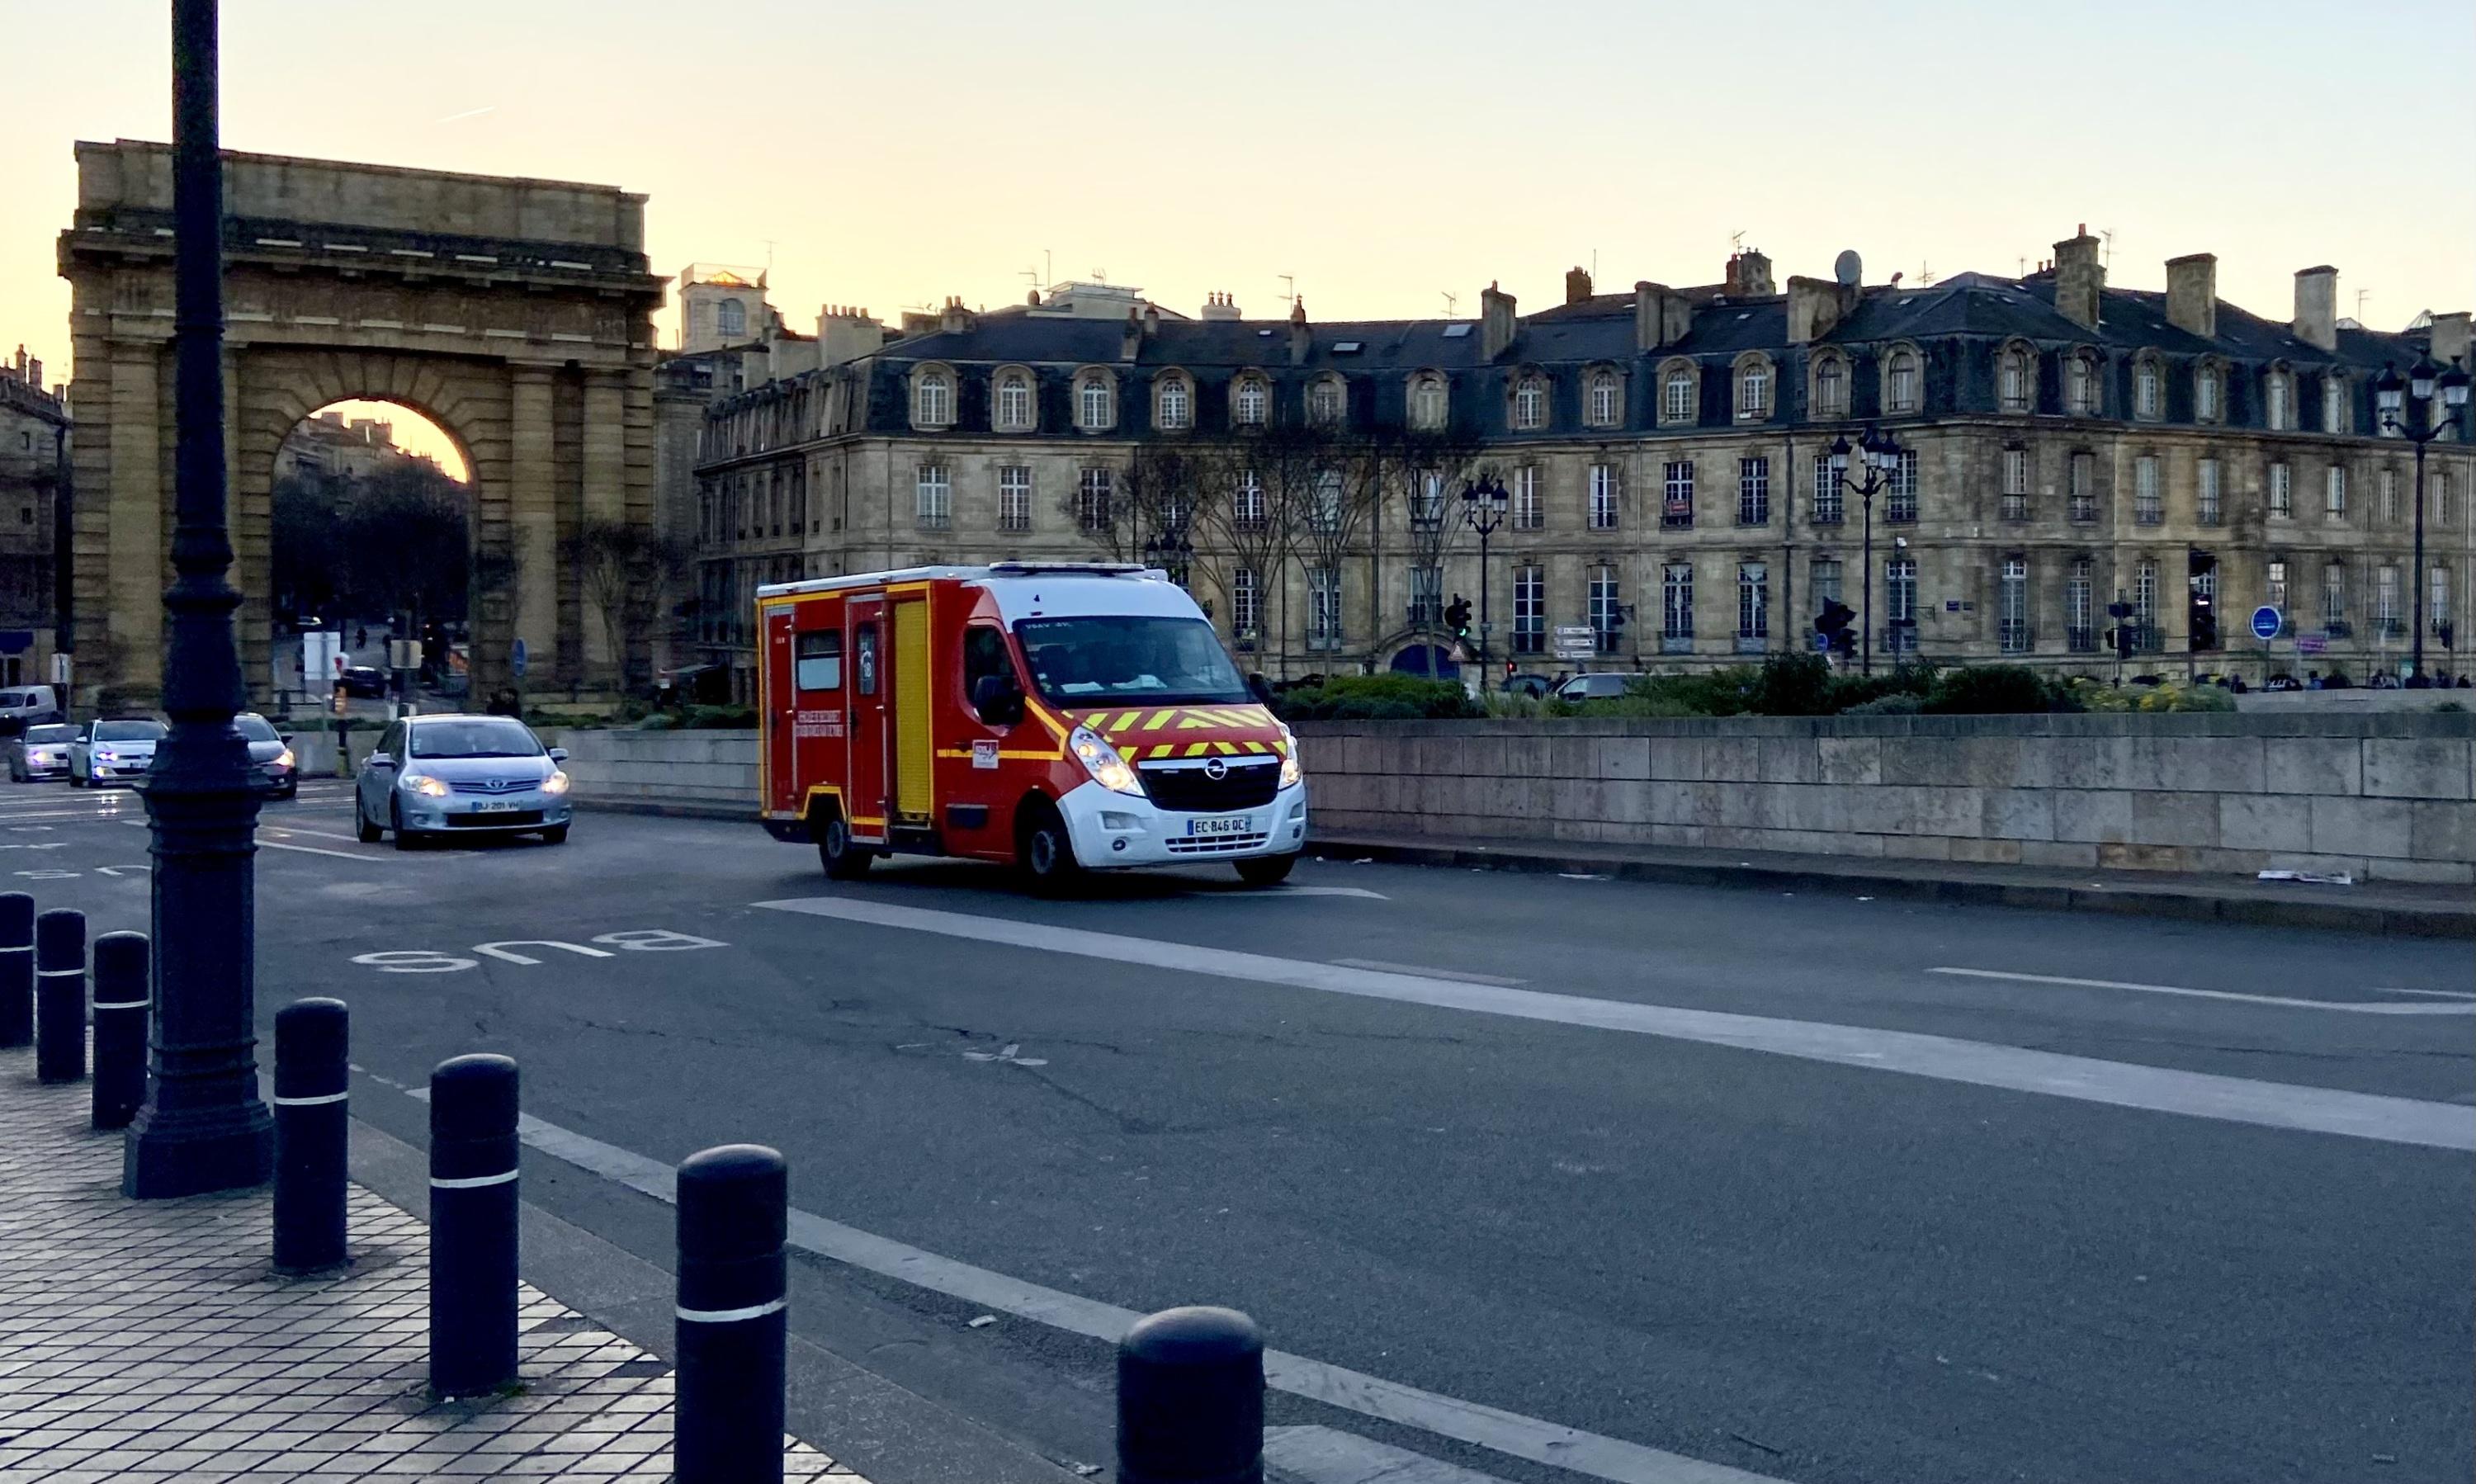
[(997, 700), (1259, 687)]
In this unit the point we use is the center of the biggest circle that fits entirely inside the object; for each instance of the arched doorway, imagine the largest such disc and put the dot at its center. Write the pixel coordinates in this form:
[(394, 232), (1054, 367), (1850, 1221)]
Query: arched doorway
[(370, 542), (1427, 661)]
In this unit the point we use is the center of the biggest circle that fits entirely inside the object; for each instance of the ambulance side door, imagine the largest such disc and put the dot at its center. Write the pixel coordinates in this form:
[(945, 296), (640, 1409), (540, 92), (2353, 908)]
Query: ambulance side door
[(983, 782)]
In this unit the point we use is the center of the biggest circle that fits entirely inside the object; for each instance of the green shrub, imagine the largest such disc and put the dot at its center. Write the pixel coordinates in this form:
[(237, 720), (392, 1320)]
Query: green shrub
[(659, 721), (1375, 697), (719, 718), (1896, 703), (1993, 690), (1792, 685)]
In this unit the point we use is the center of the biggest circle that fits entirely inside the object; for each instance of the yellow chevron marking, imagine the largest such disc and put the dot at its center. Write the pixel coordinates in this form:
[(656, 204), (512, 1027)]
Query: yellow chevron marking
[(1158, 717), (1197, 749), (1227, 748), (1194, 722)]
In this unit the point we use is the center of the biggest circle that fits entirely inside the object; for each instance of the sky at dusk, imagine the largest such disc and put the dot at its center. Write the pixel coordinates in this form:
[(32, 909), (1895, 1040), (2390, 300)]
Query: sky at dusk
[(1381, 155)]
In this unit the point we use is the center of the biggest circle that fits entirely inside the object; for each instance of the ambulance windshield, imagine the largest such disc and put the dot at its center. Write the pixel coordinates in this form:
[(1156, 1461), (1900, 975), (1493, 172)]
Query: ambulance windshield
[(1103, 660)]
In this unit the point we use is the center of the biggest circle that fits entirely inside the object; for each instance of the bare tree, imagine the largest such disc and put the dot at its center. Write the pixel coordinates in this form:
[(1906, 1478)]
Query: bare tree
[(624, 568), (1427, 471), (1244, 529)]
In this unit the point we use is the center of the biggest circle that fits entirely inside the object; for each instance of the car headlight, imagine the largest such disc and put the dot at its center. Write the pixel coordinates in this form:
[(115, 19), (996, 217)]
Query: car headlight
[(555, 783), (427, 787), (1101, 761), (1290, 773), (283, 758)]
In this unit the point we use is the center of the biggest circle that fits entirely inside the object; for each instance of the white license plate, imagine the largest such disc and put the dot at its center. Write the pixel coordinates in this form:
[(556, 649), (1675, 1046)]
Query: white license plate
[(1227, 824), (497, 807)]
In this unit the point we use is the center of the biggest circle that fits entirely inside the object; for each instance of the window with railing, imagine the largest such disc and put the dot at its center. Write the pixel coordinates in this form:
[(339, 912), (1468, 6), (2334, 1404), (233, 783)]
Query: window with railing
[(1245, 606), (1900, 603), (1830, 499), (1092, 491), (2012, 607), (1426, 500), (2334, 598), (1754, 491), (2148, 500), (1902, 495), (1247, 502), (2080, 610), (2387, 613), (1528, 514), (1014, 497), (1753, 606), (2333, 493), (1676, 509), (2015, 484), (1324, 607), (2081, 492), (1677, 608), (1427, 596), (1607, 489), (2209, 501), (2281, 491), (2144, 607), (1529, 610), (1604, 610), (933, 498)]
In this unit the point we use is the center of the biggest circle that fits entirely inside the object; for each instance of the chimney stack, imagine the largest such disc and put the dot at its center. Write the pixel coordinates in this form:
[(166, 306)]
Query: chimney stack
[(1815, 308), (2079, 278), (1661, 316), (1132, 342), (1749, 275), (2316, 307), (953, 320), (1495, 322), (1301, 340), (1577, 286), (2449, 339), (1219, 306), (2193, 295)]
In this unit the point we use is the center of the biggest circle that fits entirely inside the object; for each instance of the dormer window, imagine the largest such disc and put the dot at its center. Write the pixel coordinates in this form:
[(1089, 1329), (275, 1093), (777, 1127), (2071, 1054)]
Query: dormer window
[(2081, 385), (2147, 394), (1678, 395), (932, 399), (1900, 382), (2280, 402), (1249, 403), (1325, 403), (1830, 387), (2208, 391), (1753, 390), (1530, 404), (1427, 402), (1014, 402), (1096, 407), (1175, 409), (2334, 403), (2012, 377), (1606, 399)]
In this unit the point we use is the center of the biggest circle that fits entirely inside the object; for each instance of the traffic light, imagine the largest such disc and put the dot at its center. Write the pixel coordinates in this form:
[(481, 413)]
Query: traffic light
[(1458, 616), (2119, 638), (1508, 669), (1833, 622)]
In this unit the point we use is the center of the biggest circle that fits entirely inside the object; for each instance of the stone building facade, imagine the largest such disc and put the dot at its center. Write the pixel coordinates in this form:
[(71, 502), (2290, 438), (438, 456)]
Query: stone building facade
[(35, 501), (2067, 443)]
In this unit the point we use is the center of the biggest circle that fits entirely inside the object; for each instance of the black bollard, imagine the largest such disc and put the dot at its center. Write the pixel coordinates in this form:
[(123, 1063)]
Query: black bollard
[(471, 1226), (60, 995), (17, 969), (1191, 1399), (728, 1418), (311, 1078), (121, 1000)]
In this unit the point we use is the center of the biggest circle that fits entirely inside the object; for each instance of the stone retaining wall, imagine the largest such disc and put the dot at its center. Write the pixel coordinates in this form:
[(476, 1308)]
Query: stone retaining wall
[(709, 769), (2380, 796)]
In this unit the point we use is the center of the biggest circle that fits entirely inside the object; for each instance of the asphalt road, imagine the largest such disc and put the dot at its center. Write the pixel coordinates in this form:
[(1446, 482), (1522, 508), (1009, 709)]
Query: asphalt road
[(1748, 1178)]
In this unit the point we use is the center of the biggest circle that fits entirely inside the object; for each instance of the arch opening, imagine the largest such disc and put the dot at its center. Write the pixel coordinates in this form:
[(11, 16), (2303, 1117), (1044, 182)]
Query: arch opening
[(370, 540)]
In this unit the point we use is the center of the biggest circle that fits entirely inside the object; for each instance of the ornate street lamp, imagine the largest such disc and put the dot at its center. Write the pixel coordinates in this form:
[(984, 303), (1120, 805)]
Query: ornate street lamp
[(1483, 506), (2422, 381), (202, 1128), (1881, 455), (1172, 552)]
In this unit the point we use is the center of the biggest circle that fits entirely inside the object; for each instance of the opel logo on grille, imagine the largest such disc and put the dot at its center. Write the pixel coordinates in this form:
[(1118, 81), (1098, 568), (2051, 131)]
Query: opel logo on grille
[(1215, 769)]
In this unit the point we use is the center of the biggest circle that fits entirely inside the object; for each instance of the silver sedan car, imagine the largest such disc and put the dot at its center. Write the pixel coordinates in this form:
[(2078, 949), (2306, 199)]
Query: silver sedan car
[(451, 775), (41, 752)]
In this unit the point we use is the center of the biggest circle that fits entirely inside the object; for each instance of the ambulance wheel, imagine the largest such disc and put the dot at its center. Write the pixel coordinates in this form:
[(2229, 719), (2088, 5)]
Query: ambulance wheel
[(1266, 870), (1045, 851), (843, 860)]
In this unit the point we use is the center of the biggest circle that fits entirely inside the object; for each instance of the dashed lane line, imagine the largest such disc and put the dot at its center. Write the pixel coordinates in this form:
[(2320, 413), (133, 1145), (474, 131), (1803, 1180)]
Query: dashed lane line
[(1943, 1058)]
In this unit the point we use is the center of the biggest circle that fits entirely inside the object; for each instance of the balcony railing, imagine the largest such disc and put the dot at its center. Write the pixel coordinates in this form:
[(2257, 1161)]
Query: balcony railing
[(2014, 635), (1426, 612), (2016, 507), (2081, 639), (2147, 513), (1899, 638), (1529, 641), (2083, 508)]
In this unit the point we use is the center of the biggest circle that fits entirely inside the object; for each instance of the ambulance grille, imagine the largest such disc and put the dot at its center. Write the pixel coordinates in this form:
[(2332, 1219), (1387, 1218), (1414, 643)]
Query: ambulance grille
[(1250, 784)]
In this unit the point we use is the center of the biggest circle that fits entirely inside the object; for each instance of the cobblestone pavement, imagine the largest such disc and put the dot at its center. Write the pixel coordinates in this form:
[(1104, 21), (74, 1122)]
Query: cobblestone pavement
[(152, 1341)]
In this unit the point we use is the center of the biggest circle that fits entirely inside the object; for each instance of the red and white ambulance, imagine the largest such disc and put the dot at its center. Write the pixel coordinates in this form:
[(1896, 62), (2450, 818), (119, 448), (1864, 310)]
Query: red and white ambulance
[(1056, 717)]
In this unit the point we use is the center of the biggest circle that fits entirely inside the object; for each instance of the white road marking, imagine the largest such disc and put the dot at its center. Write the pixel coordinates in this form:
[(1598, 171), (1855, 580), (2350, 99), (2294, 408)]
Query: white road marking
[(316, 850), (1455, 975), (287, 832), (1505, 1432), (2352, 1007), (1328, 1455), (1946, 1058)]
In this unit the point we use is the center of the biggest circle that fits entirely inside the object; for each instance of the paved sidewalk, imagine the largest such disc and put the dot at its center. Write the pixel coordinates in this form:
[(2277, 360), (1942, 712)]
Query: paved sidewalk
[(2395, 907), (151, 1341)]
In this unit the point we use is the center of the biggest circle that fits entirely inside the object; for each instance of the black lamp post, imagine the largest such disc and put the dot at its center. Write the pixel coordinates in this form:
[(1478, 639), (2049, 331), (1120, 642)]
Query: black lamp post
[(1483, 506), (1881, 453), (202, 1128), (1171, 552), (2422, 380)]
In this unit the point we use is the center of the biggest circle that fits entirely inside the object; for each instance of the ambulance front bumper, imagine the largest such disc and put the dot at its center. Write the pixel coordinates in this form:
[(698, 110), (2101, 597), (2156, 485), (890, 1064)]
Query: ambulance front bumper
[(1120, 829)]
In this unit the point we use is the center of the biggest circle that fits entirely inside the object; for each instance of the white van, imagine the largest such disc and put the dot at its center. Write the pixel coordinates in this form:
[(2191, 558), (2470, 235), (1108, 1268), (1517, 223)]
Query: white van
[(22, 705)]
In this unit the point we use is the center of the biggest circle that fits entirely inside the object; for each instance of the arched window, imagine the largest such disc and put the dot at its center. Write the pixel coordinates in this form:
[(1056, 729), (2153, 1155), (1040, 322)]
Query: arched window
[(1606, 399), (2334, 403), (1014, 402), (1830, 386), (2149, 397), (1325, 403), (2080, 384), (2209, 392), (932, 399), (1678, 395), (1900, 381), (1753, 390), (1250, 402), (1177, 406), (730, 319), (1530, 403), (2014, 386), (1093, 406), (1427, 402), (2280, 401)]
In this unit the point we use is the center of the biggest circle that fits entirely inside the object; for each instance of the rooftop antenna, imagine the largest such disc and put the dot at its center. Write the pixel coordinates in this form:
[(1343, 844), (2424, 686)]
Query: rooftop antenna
[(1452, 303), (769, 259), (1047, 269), (2362, 294), (1925, 273), (2107, 261), (1736, 242), (2024, 265), (1289, 287), (1595, 266)]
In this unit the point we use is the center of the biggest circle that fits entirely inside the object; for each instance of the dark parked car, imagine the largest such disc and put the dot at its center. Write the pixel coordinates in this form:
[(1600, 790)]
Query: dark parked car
[(366, 681), (272, 763), (1533, 685)]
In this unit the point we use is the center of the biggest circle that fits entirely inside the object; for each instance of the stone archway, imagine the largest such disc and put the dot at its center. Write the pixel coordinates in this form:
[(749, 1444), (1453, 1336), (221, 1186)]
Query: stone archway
[(514, 313)]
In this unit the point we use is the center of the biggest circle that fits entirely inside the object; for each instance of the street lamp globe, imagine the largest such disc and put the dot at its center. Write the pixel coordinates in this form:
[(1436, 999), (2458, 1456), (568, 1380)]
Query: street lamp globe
[(2420, 378), (2454, 386), (1840, 455), (2389, 392)]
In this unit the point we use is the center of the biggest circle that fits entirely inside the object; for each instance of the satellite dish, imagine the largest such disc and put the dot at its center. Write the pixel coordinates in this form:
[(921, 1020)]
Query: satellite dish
[(1848, 270)]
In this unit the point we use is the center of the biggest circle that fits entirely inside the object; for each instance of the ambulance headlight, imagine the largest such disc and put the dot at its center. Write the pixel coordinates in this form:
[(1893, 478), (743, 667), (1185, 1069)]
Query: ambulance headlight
[(1101, 761), (1290, 773)]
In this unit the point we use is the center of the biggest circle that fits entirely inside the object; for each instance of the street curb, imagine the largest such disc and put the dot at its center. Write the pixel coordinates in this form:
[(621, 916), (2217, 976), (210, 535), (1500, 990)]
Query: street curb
[(736, 813), (2130, 899)]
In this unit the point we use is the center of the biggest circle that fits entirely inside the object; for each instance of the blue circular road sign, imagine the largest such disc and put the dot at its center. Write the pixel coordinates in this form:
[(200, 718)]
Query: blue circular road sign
[(517, 657), (2265, 623)]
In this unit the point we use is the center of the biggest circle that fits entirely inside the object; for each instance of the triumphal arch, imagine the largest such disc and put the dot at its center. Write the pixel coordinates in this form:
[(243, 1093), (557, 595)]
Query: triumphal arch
[(517, 314)]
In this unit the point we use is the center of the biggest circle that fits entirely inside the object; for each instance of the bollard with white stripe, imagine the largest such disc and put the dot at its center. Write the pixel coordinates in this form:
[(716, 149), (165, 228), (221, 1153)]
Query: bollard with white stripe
[(121, 1000), (734, 1204), (471, 1226), (311, 1078), (60, 995), (17, 969), (1191, 1398)]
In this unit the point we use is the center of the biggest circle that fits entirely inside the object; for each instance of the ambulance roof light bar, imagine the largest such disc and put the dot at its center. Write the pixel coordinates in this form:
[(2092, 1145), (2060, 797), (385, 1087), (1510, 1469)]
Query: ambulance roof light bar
[(1068, 569)]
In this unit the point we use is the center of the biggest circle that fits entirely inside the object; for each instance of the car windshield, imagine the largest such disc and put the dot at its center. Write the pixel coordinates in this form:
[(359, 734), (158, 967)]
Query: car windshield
[(128, 732), (41, 734), (479, 736), (258, 729), (1083, 661)]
